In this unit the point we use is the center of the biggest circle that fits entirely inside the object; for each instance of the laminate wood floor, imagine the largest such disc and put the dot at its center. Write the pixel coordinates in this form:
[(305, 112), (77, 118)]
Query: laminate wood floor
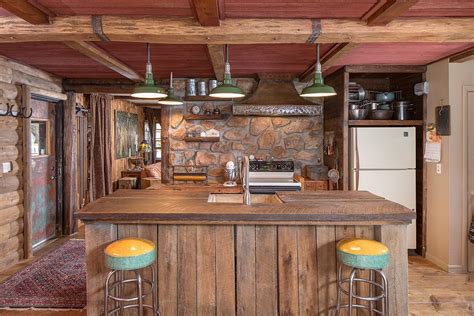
[(431, 290)]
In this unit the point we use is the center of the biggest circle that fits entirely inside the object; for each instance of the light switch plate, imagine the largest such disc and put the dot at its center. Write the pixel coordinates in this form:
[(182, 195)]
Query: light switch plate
[(7, 167), (438, 168)]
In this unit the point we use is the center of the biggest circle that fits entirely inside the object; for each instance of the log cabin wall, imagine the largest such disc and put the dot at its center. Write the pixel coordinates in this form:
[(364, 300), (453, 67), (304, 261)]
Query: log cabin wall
[(12, 76), (119, 165), (283, 138)]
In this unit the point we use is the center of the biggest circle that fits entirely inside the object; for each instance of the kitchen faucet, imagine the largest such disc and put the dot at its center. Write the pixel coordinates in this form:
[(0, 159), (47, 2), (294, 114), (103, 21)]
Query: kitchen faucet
[(245, 180)]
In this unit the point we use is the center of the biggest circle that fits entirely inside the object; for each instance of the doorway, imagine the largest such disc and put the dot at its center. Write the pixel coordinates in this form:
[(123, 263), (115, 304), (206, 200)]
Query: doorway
[(468, 96), (45, 204)]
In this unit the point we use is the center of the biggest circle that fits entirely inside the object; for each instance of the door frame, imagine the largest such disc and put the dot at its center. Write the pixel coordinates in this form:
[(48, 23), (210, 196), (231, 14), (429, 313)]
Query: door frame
[(467, 214), (26, 97)]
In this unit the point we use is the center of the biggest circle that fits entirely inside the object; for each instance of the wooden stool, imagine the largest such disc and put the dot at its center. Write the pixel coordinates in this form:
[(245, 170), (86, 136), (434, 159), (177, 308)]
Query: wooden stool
[(363, 254), (130, 254)]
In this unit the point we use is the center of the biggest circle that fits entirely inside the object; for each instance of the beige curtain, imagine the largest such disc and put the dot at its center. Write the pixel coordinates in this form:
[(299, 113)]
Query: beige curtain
[(101, 160)]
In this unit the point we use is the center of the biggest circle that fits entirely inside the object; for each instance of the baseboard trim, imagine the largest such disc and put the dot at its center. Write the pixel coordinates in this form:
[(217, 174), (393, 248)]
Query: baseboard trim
[(435, 260), (456, 268)]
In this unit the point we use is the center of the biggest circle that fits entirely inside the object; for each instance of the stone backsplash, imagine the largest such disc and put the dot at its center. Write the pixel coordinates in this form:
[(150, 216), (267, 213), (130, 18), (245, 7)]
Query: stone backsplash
[(294, 138)]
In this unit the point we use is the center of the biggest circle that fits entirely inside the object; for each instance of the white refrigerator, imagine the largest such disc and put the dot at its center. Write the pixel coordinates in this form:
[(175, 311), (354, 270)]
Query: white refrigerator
[(383, 162)]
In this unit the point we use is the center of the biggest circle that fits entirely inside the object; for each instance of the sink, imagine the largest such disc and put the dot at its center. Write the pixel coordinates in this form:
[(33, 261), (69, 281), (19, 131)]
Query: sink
[(238, 198)]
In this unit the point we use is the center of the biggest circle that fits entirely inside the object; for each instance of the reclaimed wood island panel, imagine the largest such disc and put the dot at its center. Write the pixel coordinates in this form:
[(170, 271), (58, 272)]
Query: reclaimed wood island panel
[(231, 259)]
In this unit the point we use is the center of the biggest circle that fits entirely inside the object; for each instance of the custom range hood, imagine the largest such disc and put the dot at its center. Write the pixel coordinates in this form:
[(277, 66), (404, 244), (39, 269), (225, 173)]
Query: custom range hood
[(276, 96)]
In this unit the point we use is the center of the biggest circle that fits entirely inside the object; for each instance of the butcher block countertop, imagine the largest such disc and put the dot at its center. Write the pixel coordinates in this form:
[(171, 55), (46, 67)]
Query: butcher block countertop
[(297, 208)]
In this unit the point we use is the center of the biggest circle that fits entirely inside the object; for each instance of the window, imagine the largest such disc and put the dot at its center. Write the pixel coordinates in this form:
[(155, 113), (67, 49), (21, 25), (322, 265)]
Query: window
[(157, 141), (39, 138)]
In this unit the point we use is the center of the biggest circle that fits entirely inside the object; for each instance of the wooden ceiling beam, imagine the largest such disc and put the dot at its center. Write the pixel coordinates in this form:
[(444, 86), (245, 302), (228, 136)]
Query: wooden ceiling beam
[(26, 11), (101, 56), (463, 56), (206, 12), (329, 59), (110, 86), (237, 31), (388, 11), (216, 56)]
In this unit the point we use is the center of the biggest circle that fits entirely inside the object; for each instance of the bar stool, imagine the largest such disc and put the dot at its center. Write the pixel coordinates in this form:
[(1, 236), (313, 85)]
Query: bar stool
[(130, 254), (363, 254)]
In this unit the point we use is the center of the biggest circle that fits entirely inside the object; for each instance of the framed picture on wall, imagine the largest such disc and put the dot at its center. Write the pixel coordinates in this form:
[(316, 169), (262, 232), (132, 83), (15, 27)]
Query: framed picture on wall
[(126, 134)]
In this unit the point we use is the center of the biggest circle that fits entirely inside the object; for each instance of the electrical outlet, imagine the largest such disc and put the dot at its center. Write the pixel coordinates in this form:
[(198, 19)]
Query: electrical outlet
[(7, 167), (438, 168)]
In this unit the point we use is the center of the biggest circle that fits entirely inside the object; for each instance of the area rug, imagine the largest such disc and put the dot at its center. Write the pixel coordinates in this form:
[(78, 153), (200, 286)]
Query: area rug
[(58, 280)]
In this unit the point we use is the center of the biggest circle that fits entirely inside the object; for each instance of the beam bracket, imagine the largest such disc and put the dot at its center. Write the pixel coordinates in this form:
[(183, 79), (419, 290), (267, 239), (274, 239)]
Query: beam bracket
[(96, 23), (316, 31)]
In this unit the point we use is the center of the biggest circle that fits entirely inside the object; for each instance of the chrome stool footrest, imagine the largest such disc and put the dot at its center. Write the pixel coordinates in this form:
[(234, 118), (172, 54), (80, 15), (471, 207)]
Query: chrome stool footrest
[(381, 297)]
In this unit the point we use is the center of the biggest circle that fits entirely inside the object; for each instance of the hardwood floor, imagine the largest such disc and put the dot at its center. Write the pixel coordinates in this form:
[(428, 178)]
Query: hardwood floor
[(431, 290)]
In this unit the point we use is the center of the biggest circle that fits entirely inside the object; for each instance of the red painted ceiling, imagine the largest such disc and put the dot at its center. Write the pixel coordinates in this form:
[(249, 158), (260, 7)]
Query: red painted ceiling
[(118, 7), (249, 60), (437, 8), (182, 60), (57, 59)]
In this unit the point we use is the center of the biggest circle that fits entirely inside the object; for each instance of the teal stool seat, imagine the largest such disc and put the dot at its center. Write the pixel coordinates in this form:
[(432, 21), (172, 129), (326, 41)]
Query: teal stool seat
[(363, 253), (130, 254)]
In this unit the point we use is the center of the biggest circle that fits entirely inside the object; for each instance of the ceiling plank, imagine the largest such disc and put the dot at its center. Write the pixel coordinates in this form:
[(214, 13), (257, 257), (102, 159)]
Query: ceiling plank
[(238, 31), (206, 12), (389, 11), (101, 56), (25, 10), (216, 56), (463, 56), (329, 59)]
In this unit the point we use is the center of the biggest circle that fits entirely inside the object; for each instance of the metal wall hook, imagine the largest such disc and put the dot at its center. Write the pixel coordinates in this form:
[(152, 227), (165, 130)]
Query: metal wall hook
[(31, 113), (8, 111), (19, 113)]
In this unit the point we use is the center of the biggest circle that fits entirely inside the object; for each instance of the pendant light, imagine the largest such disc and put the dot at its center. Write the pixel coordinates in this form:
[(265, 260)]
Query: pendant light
[(318, 88), (227, 90), (171, 99), (148, 90)]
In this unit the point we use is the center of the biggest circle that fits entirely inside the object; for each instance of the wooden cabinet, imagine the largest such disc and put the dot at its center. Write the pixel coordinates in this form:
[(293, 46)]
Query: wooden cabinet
[(337, 123), (312, 185), (138, 174)]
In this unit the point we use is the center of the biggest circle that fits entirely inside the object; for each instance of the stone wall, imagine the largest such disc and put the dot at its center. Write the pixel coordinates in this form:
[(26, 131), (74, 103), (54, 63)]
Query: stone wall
[(296, 138)]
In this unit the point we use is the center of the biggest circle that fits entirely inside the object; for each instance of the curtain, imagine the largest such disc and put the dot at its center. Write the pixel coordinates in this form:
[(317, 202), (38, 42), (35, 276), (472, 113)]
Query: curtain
[(101, 158), (152, 116)]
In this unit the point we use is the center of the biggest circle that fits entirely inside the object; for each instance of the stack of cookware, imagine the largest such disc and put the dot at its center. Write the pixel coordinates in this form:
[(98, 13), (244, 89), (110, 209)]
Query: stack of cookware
[(377, 105)]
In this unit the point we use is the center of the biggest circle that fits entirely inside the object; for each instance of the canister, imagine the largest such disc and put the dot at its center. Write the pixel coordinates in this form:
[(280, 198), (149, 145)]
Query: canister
[(202, 88), (212, 84), (191, 87)]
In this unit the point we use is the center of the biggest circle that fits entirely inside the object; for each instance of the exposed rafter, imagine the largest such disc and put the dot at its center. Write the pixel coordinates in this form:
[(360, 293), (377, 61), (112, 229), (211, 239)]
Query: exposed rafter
[(216, 56), (387, 11), (25, 10), (206, 12), (99, 55), (329, 59), (463, 56), (111, 86), (237, 31)]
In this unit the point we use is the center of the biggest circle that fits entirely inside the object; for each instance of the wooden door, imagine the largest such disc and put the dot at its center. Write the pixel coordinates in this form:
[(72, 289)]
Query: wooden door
[(43, 173)]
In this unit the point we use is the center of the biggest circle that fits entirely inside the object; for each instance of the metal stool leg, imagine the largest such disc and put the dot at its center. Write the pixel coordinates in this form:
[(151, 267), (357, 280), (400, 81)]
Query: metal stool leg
[(106, 296), (140, 292), (154, 291), (371, 292), (339, 284), (385, 290), (351, 289)]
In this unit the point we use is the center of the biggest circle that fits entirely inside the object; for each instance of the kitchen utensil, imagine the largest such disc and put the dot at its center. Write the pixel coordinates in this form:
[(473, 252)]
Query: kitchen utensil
[(371, 105), (404, 110), (380, 114), (191, 87), (356, 92), (358, 114), (212, 84), (385, 97)]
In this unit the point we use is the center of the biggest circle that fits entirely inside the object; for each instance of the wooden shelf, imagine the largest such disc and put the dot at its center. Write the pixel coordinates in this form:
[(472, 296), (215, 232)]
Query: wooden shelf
[(385, 123), (204, 117), (202, 139), (197, 98)]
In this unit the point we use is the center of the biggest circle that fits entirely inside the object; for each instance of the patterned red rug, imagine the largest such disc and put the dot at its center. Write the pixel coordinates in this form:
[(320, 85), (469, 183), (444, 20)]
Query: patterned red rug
[(58, 280)]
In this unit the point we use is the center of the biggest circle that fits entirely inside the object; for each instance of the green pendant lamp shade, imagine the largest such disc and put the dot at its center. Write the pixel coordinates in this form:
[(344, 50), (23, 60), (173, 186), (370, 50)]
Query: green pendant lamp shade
[(227, 90), (318, 88), (171, 99), (148, 90)]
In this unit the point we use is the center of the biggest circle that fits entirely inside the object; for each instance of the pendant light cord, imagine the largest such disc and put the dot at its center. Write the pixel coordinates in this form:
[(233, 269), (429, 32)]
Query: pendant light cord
[(318, 63), (148, 53), (171, 80)]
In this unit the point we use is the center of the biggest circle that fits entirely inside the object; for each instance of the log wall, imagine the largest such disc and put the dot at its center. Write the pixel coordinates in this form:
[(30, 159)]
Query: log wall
[(12, 76), (118, 165)]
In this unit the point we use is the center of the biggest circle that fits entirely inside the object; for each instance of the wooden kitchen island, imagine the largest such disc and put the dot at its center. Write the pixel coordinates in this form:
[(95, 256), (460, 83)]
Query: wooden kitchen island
[(263, 259)]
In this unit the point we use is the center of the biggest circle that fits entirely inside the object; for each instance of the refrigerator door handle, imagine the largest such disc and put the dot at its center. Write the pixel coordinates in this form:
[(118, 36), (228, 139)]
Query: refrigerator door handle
[(356, 158)]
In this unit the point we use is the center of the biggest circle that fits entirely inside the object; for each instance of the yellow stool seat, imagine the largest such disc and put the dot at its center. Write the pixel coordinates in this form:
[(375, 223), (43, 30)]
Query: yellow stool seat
[(362, 253), (130, 254)]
